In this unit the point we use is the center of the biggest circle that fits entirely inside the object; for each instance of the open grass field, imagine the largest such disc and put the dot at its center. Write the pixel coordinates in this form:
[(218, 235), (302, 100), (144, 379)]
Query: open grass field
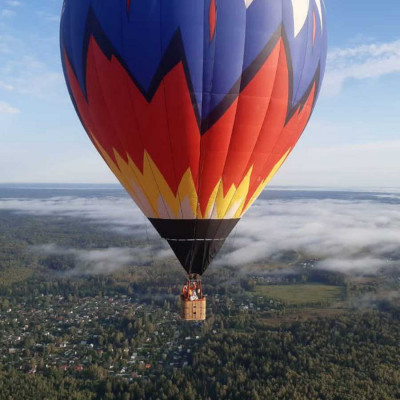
[(306, 294)]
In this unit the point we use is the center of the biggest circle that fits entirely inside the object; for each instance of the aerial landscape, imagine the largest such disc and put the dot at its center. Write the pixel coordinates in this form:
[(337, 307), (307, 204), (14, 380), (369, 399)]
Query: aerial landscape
[(90, 301), (166, 230)]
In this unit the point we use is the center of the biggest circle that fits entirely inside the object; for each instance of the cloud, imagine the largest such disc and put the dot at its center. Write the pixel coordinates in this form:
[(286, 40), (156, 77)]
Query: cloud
[(361, 62), (118, 212), (5, 108), (30, 76), (6, 86), (380, 299), (13, 3), (6, 13), (350, 232), (25, 68), (99, 261), (366, 265), (7, 43), (351, 236)]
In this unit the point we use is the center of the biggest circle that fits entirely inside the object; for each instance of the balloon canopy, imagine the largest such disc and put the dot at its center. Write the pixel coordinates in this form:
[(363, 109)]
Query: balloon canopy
[(194, 104)]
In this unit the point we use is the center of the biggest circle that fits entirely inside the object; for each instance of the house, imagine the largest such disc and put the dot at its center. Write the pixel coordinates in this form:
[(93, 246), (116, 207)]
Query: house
[(32, 371)]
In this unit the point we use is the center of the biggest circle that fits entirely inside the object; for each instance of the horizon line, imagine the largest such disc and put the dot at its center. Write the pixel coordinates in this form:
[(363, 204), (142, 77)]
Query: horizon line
[(270, 187)]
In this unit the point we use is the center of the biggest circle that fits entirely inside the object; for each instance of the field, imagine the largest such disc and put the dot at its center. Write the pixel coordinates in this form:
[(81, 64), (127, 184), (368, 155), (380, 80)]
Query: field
[(298, 295)]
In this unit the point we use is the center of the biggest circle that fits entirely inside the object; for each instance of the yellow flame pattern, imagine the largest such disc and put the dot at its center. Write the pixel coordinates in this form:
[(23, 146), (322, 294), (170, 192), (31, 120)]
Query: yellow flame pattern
[(154, 197)]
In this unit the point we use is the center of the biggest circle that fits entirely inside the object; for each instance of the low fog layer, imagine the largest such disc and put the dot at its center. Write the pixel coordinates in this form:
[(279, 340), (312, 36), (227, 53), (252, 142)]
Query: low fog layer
[(349, 236), (119, 213), (97, 261), (346, 233)]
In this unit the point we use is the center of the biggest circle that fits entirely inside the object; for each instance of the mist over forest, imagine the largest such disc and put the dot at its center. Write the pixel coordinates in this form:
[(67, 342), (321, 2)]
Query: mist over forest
[(356, 233)]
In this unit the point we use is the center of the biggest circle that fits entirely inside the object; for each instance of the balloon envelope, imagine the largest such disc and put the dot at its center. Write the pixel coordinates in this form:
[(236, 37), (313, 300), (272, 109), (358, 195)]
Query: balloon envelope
[(194, 104)]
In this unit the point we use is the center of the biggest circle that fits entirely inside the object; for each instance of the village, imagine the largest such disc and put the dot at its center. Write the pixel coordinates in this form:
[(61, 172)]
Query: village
[(117, 335), (125, 335)]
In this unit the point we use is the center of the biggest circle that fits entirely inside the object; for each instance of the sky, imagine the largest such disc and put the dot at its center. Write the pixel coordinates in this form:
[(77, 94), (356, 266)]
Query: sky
[(353, 139)]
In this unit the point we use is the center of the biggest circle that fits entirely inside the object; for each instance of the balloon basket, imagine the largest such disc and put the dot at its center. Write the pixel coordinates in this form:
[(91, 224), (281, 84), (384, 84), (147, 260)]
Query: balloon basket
[(194, 310), (193, 301)]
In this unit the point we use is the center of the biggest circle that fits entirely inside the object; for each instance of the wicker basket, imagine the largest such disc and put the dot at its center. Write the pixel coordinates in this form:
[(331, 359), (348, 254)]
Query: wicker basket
[(194, 310)]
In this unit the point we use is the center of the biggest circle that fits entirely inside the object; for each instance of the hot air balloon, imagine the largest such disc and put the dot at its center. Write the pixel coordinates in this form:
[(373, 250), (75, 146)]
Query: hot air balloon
[(194, 104)]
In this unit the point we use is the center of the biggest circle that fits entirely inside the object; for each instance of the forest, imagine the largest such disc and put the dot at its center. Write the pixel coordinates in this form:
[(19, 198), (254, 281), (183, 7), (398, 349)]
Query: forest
[(352, 357), (307, 334)]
